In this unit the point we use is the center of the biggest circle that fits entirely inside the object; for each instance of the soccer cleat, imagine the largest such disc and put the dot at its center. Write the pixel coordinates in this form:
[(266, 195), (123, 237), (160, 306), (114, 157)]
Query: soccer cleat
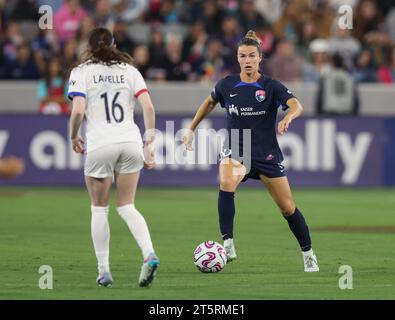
[(310, 261), (230, 250), (104, 279), (148, 270)]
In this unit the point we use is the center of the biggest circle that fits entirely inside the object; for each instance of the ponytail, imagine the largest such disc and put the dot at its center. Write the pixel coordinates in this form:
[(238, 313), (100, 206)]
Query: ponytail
[(102, 49)]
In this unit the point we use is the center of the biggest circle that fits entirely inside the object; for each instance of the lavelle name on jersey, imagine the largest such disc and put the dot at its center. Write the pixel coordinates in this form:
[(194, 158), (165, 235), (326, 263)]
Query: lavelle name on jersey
[(110, 79)]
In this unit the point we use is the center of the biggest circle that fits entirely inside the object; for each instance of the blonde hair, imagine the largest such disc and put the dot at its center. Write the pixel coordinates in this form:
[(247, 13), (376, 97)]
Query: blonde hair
[(251, 39), (252, 35)]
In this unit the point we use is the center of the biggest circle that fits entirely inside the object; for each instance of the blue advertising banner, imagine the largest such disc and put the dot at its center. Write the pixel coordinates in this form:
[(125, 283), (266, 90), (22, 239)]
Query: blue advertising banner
[(319, 152)]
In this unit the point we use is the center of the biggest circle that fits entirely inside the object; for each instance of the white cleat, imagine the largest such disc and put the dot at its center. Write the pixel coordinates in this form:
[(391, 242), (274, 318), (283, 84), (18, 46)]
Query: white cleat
[(230, 250), (310, 261), (148, 270)]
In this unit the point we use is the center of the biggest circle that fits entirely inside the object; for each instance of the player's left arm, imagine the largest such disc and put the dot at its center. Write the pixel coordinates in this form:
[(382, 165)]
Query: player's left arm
[(295, 110), (77, 115), (149, 117), (149, 123)]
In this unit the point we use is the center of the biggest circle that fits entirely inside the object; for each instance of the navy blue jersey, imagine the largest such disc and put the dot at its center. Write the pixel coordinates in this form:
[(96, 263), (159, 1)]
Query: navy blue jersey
[(254, 106)]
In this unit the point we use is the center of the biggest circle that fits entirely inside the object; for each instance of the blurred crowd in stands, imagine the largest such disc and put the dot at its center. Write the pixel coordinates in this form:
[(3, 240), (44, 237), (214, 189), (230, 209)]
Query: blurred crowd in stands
[(196, 40)]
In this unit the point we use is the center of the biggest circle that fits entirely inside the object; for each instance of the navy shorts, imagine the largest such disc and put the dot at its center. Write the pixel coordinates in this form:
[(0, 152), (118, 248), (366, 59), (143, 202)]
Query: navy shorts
[(268, 169), (258, 167)]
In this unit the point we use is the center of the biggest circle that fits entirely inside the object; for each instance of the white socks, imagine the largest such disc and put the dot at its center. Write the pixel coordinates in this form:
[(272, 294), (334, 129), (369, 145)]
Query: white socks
[(101, 237), (138, 227), (100, 231)]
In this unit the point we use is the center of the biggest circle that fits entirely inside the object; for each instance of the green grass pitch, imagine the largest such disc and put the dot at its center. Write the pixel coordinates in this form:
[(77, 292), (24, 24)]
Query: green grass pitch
[(51, 226)]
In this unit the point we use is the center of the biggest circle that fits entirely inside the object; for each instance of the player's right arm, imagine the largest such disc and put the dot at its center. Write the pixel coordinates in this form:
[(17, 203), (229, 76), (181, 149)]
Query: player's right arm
[(77, 93), (205, 108)]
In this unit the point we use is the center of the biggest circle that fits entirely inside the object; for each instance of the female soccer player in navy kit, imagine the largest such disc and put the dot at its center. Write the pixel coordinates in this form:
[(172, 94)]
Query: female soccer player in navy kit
[(251, 100)]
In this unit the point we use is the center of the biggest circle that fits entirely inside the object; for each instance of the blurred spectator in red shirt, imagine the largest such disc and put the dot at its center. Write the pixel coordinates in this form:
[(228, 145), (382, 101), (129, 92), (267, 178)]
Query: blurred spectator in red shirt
[(52, 89), (386, 72)]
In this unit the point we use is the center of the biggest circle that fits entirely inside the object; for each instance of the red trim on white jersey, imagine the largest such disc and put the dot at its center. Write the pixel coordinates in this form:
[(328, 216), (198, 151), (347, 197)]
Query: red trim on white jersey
[(140, 92)]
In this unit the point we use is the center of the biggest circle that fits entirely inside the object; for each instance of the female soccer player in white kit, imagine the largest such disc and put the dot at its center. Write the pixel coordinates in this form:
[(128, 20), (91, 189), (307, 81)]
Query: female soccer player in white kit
[(105, 88)]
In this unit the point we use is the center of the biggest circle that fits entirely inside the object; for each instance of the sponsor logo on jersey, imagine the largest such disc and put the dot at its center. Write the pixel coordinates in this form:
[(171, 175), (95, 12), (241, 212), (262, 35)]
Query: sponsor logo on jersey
[(72, 82), (233, 95), (260, 95), (233, 109), (270, 157), (245, 111)]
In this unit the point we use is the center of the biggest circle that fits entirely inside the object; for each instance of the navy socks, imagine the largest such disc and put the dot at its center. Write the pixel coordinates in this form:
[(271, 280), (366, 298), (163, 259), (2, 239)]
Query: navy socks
[(298, 226), (226, 211)]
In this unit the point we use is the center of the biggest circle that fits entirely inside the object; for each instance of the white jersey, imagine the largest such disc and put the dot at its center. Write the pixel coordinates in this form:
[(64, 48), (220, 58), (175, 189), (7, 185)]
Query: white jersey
[(111, 93)]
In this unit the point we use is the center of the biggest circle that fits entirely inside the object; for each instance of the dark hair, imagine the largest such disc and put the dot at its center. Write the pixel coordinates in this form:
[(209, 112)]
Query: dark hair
[(102, 49), (251, 39)]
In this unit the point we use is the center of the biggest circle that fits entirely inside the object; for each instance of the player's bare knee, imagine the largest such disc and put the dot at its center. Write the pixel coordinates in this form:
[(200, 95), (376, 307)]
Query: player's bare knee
[(288, 208), (228, 185), (100, 203)]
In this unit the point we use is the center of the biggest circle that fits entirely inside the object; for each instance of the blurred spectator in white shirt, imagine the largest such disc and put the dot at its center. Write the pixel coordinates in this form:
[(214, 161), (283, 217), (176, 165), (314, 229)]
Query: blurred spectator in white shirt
[(319, 60), (344, 43)]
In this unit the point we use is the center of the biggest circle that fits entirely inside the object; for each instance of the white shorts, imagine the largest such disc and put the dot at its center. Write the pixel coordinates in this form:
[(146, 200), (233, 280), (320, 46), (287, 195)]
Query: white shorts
[(126, 157)]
